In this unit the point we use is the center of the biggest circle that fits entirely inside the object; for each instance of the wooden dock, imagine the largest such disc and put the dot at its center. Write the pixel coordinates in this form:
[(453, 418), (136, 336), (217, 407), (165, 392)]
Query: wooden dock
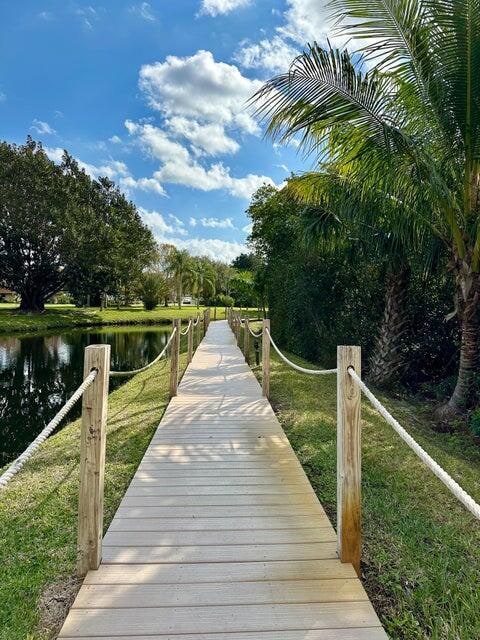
[(220, 535)]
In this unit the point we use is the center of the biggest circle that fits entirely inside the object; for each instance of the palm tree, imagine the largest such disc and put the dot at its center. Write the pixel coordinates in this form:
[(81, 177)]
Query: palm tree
[(179, 265), (417, 111), (202, 278)]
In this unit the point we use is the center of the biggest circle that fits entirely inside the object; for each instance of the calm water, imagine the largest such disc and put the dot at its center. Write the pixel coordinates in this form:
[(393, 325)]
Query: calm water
[(39, 373)]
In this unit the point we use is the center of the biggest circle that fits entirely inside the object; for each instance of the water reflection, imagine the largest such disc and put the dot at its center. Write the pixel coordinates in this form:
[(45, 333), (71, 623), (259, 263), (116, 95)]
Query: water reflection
[(39, 373)]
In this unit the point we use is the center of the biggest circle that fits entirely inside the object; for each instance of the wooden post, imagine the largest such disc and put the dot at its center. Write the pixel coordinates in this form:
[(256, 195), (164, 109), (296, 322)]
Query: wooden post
[(349, 501), (238, 326), (246, 342), (92, 459), (190, 340), (266, 359), (215, 313), (199, 330), (175, 355)]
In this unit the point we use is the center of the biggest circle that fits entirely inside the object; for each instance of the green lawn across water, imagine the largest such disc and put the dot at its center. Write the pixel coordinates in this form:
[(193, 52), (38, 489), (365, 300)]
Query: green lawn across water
[(421, 554), (62, 316)]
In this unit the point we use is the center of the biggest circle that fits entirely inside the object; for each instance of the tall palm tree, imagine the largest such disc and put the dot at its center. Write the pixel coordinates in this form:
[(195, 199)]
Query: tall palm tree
[(202, 278), (179, 265), (416, 109)]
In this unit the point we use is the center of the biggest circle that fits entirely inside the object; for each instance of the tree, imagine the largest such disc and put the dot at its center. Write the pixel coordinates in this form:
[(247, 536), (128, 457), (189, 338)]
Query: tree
[(59, 228), (179, 265), (153, 288), (244, 262), (202, 278), (417, 109)]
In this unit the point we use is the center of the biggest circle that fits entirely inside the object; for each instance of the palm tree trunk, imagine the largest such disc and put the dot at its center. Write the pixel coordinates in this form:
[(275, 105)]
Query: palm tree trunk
[(465, 394), (387, 360)]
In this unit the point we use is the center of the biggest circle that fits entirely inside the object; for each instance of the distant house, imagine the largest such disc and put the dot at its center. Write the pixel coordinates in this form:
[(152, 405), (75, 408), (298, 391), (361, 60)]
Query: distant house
[(7, 296)]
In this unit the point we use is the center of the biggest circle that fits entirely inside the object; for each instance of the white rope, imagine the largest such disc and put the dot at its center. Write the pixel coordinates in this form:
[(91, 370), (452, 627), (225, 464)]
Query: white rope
[(184, 333), (196, 321), (441, 474), (313, 372), (43, 435), (255, 335), (124, 374)]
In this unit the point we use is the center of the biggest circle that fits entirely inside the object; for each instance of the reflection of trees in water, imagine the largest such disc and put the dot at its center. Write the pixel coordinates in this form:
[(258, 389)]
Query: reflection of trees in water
[(38, 374)]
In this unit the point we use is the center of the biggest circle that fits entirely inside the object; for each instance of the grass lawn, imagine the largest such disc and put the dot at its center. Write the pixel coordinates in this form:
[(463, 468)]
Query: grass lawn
[(421, 561), (38, 510), (60, 316)]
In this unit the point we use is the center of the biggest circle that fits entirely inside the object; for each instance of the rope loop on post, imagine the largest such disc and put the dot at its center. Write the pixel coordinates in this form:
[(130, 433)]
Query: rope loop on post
[(312, 372), (15, 467), (124, 374), (441, 474)]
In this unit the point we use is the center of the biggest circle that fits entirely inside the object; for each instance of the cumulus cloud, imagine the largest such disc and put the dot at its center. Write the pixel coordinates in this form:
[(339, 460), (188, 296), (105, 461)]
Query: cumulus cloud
[(180, 167), (212, 247), (217, 223), (42, 128), (275, 55), (199, 87), (207, 139), (218, 7), (115, 140), (248, 228), (156, 221)]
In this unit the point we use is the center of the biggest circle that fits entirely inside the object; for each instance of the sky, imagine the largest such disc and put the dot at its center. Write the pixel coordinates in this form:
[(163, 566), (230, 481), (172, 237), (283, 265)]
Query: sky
[(153, 95)]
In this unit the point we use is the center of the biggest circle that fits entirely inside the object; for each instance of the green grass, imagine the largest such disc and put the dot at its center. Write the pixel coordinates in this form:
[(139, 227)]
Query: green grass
[(421, 554), (61, 316), (38, 510)]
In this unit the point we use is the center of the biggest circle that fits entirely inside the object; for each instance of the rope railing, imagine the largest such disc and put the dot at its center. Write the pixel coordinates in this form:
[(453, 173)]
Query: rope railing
[(185, 332), (48, 430), (124, 374), (461, 495), (312, 372)]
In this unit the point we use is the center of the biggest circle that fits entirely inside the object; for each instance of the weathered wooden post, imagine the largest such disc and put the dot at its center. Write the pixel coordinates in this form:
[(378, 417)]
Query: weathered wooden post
[(92, 459), (266, 358), (205, 321), (349, 467), (174, 357), (215, 313), (246, 342), (190, 340), (199, 330), (238, 326)]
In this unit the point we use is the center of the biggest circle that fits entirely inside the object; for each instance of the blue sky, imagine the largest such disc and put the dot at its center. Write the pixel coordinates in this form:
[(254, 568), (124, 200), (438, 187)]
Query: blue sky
[(153, 95)]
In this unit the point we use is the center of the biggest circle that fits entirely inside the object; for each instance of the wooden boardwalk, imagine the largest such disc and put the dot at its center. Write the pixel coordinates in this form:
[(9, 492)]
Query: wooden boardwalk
[(220, 535)]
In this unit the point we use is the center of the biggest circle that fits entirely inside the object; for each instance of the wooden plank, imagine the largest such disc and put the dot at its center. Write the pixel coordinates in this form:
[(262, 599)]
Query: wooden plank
[(219, 593), (216, 512), (232, 619), (219, 572), (367, 633), (219, 553), (216, 524), (285, 482), (202, 538)]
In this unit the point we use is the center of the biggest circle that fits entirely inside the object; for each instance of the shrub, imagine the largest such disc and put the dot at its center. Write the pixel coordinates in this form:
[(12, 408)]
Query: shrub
[(152, 290)]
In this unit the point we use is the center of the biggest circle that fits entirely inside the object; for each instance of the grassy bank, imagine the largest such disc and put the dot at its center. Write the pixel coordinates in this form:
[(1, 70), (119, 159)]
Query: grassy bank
[(38, 510), (421, 562), (62, 316)]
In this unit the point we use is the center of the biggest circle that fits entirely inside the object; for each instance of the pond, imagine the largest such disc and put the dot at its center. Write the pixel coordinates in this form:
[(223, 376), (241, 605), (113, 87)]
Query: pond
[(39, 373)]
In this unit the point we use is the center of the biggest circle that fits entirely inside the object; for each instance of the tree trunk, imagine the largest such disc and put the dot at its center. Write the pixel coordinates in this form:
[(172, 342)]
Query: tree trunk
[(32, 302), (465, 394), (387, 360)]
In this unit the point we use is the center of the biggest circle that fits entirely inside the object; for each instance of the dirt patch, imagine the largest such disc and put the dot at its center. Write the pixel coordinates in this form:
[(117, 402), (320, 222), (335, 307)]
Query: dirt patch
[(55, 603)]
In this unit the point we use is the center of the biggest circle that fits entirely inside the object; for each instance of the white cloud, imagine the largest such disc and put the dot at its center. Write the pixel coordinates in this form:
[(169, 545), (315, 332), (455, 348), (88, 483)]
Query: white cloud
[(144, 10), (156, 221), (115, 140), (212, 247), (218, 7), (208, 139), (275, 55), (192, 222), (199, 87), (248, 228), (217, 223), (179, 167), (88, 16), (113, 169), (42, 128)]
